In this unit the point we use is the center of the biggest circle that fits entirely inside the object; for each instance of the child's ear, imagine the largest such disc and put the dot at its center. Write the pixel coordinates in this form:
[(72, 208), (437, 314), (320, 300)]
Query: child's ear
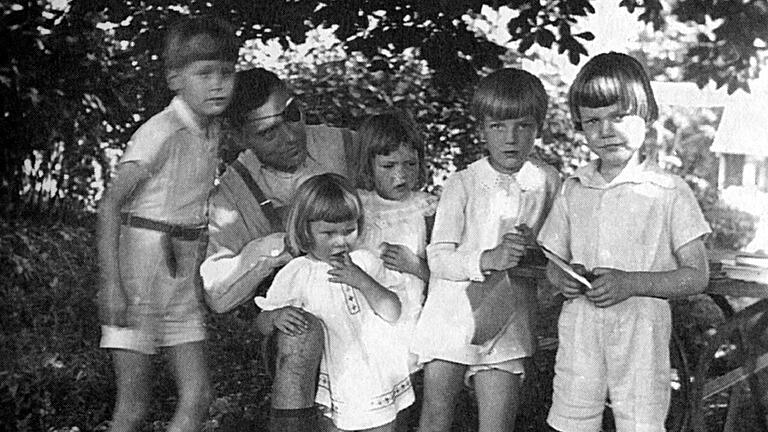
[(174, 79)]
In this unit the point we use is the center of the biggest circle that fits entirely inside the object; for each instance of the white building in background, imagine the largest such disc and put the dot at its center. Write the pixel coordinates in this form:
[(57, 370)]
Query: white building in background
[(741, 140)]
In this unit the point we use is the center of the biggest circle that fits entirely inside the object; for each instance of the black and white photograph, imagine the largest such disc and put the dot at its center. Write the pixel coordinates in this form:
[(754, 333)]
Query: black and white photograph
[(384, 216)]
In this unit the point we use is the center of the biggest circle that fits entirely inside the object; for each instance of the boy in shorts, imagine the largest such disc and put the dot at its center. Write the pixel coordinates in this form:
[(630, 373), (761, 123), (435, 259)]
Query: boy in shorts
[(640, 231), (152, 229)]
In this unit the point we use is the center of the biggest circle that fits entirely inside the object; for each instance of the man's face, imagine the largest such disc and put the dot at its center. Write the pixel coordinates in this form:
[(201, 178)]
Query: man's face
[(276, 132)]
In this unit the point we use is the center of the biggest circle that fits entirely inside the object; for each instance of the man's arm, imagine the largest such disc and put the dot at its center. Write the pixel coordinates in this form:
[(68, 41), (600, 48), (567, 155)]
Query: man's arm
[(238, 258)]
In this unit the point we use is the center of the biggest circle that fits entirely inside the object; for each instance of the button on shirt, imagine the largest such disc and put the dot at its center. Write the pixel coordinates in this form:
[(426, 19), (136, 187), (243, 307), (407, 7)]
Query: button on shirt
[(634, 223)]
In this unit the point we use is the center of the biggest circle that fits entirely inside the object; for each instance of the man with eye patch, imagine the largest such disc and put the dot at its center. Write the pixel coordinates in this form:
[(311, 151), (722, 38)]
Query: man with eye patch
[(278, 152)]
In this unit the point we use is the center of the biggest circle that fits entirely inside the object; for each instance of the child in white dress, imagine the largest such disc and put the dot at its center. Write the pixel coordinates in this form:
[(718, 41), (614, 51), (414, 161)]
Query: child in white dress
[(487, 215), (398, 217), (363, 382)]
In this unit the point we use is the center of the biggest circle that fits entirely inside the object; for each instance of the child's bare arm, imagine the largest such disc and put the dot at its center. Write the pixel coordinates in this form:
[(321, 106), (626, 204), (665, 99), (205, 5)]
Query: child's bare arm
[(384, 302), (112, 298), (691, 277)]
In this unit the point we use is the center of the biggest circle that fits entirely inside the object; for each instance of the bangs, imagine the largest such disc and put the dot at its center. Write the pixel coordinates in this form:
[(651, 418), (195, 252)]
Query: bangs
[(508, 94), (603, 91), (502, 108), (609, 79), (200, 48), (334, 204)]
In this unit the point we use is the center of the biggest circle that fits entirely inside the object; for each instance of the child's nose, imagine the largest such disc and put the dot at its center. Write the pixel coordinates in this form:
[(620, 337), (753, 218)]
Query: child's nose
[(511, 134), (606, 127), (399, 173)]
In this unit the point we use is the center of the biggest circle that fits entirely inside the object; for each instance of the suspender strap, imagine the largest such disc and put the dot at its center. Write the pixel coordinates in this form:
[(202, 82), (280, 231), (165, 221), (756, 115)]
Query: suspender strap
[(351, 153), (266, 205)]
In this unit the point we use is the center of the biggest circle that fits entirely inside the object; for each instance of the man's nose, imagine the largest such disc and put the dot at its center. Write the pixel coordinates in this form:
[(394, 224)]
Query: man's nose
[(290, 133)]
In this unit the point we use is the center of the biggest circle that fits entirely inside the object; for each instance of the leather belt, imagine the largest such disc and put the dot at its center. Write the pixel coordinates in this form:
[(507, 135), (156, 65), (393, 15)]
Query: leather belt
[(177, 231)]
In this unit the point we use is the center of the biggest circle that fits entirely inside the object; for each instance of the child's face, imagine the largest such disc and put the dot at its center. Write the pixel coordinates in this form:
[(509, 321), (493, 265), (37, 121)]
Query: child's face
[(205, 85), (395, 175), (509, 142), (332, 239), (614, 136)]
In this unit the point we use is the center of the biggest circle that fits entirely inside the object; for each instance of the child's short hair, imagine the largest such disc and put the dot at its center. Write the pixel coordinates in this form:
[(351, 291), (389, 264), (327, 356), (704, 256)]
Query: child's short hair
[(252, 90), (611, 78), (381, 134), (326, 197), (510, 93), (199, 38)]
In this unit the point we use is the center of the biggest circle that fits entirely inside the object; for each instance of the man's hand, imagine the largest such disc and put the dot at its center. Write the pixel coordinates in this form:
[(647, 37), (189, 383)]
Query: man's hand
[(506, 255), (290, 320), (611, 287)]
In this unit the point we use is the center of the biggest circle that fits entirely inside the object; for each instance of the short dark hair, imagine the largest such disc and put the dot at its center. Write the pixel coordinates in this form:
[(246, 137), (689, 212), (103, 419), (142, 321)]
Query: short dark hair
[(198, 38), (611, 78), (510, 93), (252, 90), (382, 134), (326, 197)]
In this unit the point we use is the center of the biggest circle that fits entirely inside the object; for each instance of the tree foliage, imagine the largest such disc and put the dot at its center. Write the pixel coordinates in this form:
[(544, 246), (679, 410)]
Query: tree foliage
[(76, 77)]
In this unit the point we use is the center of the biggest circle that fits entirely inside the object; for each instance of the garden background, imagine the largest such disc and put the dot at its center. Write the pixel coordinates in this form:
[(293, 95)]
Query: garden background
[(77, 78)]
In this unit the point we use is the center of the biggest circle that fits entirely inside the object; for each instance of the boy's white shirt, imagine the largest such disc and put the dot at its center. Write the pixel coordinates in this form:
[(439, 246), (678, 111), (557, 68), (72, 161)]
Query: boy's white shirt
[(599, 229)]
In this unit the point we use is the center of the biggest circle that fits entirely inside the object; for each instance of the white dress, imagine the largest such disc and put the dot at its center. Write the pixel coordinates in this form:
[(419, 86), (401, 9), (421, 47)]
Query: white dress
[(363, 382), (478, 206), (400, 222)]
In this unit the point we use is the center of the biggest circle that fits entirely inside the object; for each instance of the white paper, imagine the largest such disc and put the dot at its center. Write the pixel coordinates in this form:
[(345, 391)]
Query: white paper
[(566, 267)]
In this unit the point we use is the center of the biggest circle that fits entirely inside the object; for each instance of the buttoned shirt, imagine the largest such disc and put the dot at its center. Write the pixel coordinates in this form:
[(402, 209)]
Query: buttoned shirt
[(636, 222), (179, 158)]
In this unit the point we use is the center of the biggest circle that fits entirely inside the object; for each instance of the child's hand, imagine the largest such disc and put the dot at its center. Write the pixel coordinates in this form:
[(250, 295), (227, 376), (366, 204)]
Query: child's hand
[(344, 271), (400, 258), (570, 287), (112, 306), (290, 320), (506, 255), (611, 287)]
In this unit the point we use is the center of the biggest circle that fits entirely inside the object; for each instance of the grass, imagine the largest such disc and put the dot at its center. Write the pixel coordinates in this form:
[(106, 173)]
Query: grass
[(53, 376)]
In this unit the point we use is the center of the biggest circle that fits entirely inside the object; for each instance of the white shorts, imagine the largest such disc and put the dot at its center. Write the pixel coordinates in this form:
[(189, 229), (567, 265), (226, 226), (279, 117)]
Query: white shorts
[(621, 353), (514, 366), (140, 340)]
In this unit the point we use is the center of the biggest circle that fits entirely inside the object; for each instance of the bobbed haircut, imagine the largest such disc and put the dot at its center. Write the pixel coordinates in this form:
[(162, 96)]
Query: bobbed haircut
[(252, 90), (192, 39), (326, 197), (510, 93), (613, 78), (382, 134)]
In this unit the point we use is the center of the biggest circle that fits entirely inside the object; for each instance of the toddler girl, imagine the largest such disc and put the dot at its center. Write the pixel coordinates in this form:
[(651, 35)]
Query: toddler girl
[(363, 383), (476, 322), (398, 217)]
